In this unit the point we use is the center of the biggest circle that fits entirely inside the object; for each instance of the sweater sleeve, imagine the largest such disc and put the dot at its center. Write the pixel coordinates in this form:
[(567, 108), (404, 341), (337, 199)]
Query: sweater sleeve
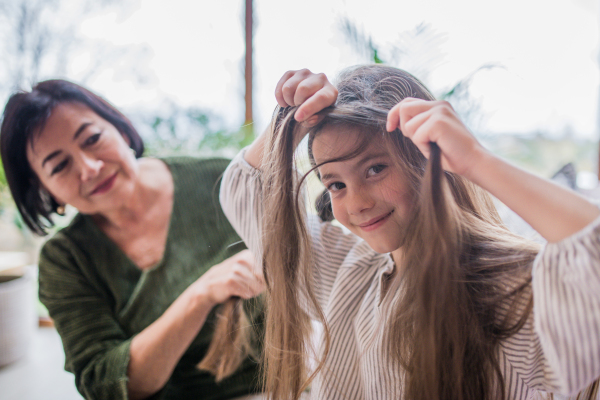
[(96, 348), (241, 197)]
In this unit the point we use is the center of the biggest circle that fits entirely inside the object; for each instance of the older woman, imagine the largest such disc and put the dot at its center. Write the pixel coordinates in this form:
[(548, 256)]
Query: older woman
[(132, 281)]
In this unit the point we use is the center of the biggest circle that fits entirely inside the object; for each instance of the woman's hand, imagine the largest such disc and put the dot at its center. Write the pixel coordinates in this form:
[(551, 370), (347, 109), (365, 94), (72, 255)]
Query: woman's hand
[(156, 350), (436, 121), (238, 275), (312, 92)]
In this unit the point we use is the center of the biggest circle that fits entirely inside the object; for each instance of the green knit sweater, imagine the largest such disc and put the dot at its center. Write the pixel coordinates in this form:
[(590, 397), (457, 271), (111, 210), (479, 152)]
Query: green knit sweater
[(99, 299)]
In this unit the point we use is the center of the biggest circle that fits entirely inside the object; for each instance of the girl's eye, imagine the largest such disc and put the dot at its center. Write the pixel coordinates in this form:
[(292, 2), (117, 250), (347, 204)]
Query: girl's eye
[(336, 186), (92, 139), (376, 169), (59, 167)]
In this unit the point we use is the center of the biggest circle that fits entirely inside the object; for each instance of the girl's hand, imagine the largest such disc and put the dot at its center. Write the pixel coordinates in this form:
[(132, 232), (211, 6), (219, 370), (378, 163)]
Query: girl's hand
[(435, 121), (312, 92), (238, 275)]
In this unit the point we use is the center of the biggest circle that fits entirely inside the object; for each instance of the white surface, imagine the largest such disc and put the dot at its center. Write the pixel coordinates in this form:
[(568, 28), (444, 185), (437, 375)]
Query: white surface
[(40, 375), (12, 259), (18, 320)]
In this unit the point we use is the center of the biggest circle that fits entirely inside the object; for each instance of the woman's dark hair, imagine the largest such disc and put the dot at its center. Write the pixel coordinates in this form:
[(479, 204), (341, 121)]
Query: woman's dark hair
[(24, 116)]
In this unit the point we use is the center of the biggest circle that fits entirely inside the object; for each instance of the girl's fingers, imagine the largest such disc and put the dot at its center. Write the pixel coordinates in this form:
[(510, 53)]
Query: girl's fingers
[(393, 118), (312, 92), (279, 88), (411, 127), (405, 111), (316, 102), (290, 85), (410, 108)]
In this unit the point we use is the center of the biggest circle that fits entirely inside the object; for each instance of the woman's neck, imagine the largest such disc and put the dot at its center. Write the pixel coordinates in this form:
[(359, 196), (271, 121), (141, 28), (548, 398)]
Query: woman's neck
[(153, 187)]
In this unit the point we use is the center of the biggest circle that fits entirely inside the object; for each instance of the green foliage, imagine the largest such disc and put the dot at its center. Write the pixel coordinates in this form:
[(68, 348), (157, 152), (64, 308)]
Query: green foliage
[(3, 182), (5, 198), (542, 154), (193, 131)]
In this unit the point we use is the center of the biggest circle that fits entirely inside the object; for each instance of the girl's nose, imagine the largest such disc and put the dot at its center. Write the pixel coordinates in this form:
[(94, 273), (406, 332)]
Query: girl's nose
[(360, 201), (89, 167)]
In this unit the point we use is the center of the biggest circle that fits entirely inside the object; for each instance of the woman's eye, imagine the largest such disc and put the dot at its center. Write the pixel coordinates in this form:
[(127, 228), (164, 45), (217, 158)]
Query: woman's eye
[(375, 169), (336, 186), (92, 139), (59, 167)]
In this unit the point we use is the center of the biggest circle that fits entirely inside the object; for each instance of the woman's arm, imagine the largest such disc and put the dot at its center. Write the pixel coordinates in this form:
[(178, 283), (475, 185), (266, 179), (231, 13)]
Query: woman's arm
[(553, 211), (106, 361), (157, 349)]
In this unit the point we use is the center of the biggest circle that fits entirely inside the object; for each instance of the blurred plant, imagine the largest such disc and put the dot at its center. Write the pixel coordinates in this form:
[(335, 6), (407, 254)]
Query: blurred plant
[(4, 195), (39, 39), (418, 51), (193, 131)]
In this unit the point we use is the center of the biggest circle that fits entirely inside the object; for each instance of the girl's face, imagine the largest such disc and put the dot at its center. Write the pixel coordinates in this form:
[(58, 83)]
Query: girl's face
[(369, 195), (83, 160)]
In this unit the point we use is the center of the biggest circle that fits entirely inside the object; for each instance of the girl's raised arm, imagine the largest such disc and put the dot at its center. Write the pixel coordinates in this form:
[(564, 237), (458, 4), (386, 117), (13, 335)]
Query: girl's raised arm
[(553, 211), (312, 92)]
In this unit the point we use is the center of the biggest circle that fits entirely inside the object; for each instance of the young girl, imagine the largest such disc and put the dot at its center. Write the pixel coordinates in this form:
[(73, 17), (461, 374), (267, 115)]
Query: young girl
[(429, 296)]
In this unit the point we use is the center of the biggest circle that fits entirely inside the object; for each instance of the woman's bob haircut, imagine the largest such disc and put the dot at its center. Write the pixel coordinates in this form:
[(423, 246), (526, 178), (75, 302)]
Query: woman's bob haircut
[(24, 116)]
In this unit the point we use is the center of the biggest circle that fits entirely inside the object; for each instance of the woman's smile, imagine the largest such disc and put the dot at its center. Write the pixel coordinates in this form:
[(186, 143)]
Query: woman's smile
[(105, 186)]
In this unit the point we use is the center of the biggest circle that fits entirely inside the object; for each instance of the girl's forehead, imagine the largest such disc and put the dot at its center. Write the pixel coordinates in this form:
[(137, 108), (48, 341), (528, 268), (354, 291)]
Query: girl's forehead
[(335, 141), (342, 141)]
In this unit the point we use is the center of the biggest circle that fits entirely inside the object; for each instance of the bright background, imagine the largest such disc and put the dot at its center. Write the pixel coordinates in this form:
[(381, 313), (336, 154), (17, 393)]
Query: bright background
[(527, 70), (545, 51)]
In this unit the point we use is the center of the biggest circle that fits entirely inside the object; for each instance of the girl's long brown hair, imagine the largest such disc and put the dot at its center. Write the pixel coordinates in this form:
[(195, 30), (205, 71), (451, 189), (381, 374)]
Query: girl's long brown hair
[(232, 341), (461, 287)]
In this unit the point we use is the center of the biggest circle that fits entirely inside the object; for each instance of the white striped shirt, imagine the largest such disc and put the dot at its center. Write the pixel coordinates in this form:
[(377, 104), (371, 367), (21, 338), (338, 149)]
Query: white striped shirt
[(557, 350)]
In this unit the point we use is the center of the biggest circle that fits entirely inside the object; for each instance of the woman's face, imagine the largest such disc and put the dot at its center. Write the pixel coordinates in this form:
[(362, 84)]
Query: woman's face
[(369, 195), (83, 160)]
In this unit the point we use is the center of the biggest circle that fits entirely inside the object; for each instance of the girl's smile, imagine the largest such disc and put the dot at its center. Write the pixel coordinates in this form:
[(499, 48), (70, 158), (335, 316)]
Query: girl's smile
[(369, 194), (375, 222)]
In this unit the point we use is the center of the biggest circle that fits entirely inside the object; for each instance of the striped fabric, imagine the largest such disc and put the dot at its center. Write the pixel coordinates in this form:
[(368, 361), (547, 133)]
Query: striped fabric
[(557, 350)]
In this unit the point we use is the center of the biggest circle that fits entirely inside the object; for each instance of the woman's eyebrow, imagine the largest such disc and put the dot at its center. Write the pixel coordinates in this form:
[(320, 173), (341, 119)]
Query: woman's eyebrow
[(81, 129), (51, 156)]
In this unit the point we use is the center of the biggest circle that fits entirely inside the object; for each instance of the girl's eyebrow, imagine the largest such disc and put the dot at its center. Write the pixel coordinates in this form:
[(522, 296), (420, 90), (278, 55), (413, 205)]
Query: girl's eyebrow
[(367, 158), (370, 157)]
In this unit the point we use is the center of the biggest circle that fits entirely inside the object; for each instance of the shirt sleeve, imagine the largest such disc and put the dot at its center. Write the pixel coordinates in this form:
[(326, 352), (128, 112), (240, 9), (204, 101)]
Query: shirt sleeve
[(241, 197), (558, 348), (96, 348), (566, 292)]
